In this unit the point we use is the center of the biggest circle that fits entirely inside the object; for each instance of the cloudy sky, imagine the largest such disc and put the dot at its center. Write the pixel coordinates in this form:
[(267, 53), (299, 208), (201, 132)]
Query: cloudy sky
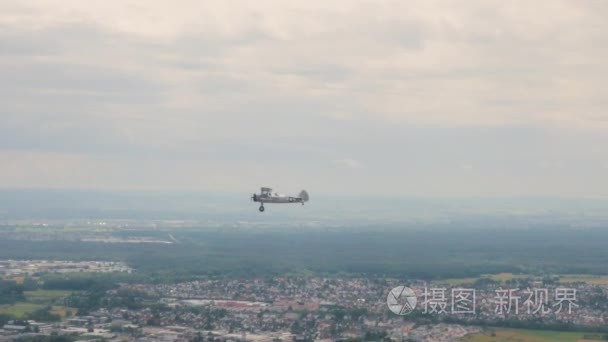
[(422, 98)]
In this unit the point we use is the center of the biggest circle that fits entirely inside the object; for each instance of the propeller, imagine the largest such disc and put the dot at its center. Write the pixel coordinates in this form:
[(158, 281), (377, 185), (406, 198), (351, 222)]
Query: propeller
[(254, 197), (304, 196)]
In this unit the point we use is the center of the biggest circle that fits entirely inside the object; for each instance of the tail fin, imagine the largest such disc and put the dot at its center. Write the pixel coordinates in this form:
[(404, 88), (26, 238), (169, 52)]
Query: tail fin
[(304, 196)]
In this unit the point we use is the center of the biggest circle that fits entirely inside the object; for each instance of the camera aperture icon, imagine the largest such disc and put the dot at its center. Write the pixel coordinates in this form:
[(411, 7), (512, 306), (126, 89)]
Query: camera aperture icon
[(401, 300)]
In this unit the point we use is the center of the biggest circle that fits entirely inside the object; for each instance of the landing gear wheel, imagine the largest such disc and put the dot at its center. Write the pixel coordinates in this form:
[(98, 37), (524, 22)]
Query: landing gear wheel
[(262, 208)]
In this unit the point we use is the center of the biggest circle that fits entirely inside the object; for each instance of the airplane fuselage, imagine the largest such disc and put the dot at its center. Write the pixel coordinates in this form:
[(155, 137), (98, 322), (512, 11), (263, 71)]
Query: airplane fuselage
[(267, 196)]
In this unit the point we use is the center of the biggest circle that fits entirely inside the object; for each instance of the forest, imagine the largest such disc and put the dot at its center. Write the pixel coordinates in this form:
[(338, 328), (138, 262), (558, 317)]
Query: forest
[(430, 253)]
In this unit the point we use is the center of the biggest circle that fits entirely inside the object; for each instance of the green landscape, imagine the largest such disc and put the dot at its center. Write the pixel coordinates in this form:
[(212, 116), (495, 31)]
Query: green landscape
[(525, 335), (435, 252), (443, 254)]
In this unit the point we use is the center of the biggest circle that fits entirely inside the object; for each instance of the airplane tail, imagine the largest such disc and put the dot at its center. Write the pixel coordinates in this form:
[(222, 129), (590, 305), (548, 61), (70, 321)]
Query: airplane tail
[(304, 196)]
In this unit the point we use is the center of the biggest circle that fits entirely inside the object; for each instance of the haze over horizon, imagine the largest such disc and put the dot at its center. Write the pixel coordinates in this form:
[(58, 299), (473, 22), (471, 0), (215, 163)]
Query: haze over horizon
[(416, 98)]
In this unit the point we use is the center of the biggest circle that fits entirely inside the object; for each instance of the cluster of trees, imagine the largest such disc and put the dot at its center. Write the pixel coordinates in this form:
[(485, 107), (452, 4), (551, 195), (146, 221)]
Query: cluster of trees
[(373, 335), (4, 318), (429, 253), (90, 290), (596, 300), (10, 292), (44, 315), (535, 324)]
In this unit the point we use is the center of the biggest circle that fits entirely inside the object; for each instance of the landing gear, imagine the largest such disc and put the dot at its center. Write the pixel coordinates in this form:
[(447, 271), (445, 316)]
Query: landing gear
[(262, 208)]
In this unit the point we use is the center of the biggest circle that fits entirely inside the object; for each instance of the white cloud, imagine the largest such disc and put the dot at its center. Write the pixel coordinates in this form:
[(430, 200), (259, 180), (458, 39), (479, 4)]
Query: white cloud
[(243, 85), (349, 162)]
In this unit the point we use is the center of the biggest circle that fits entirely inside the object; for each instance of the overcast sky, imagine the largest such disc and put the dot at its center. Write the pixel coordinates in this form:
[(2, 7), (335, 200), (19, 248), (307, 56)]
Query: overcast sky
[(422, 98)]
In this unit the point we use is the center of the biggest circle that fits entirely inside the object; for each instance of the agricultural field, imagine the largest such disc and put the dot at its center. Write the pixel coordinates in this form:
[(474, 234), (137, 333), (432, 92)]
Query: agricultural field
[(525, 335), (459, 255), (501, 277), (589, 279), (19, 310), (36, 300), (45, 296), (504, 277), (64, 312)]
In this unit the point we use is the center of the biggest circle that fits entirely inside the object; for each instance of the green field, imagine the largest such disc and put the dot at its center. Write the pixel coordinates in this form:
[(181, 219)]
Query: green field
[(63, 311), (589, 279), (459, 255), (501, 277), (45, 296), (524, 335), (36, 300), (20, 309)]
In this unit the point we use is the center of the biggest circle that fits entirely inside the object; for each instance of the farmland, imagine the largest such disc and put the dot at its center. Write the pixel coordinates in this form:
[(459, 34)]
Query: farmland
[(524, 335)]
